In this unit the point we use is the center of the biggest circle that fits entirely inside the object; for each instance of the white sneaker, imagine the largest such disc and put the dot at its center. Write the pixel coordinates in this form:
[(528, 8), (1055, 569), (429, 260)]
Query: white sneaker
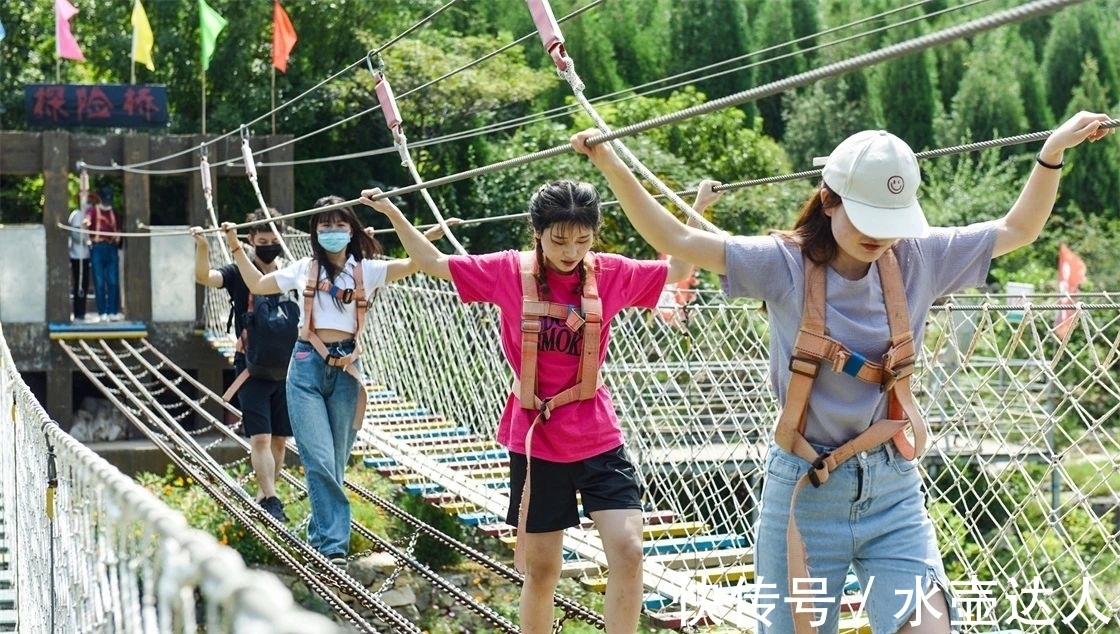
[(116, 317), (90, 318), (103, 317)]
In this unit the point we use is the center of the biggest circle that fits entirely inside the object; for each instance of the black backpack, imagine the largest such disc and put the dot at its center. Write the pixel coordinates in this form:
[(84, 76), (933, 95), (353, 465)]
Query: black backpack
[(271, 329)]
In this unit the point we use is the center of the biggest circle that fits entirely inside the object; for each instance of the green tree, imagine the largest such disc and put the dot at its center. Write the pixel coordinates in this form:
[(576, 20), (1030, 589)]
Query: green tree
[(1077, 32), (806, 112), (989, 102), (1091, 180), (909, 100), (704, 32), (773, 26)]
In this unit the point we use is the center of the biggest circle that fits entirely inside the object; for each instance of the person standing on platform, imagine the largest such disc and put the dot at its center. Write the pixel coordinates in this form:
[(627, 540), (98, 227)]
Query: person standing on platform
[(79, 265), (104, 259)]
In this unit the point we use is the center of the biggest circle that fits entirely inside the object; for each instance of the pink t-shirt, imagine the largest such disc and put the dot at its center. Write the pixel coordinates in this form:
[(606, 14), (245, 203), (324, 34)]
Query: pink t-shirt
[(581, 429)]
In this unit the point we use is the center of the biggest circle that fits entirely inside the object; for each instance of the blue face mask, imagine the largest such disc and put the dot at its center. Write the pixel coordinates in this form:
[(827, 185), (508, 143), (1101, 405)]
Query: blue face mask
[(334, 241)]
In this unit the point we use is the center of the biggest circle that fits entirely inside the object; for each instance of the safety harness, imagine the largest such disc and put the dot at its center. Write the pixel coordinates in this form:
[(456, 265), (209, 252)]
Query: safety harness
[(307, 331), (588, 379), (814, 348)]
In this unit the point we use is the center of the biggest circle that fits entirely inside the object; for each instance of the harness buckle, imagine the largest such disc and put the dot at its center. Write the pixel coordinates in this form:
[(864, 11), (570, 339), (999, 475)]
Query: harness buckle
[(347, 295), (545, 411), (892, 375), (818, 465), (804, 367), (531, 325)]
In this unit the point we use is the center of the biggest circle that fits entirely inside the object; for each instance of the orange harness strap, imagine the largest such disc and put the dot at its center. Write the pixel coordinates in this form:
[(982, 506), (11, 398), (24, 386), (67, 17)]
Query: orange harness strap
[(588, 379), (813, 348), (307, 331)]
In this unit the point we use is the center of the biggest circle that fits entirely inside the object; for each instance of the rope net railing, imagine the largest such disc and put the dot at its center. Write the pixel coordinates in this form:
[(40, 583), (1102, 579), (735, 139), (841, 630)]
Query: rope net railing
[(94, 552), (1022, 473)]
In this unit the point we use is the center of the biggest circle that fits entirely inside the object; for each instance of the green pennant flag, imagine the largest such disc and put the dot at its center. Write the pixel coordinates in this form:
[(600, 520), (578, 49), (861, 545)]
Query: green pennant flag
[(210, 23)]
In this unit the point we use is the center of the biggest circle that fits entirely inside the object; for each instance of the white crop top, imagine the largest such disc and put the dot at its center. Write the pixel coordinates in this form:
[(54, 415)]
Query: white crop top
[(327, 314)]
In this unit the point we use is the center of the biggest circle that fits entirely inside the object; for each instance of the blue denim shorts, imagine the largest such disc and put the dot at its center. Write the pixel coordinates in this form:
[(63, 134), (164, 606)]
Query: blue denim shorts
[(869, 517)]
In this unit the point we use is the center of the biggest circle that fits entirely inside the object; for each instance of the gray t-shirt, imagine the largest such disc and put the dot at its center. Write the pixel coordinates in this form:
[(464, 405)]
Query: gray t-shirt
[(771, 269)]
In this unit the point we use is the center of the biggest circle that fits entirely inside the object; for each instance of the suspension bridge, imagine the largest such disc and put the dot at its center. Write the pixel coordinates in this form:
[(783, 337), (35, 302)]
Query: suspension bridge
[(1021, 471)]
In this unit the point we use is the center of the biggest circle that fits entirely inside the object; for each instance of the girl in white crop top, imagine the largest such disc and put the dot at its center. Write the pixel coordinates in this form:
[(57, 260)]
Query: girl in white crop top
[(324, 394)]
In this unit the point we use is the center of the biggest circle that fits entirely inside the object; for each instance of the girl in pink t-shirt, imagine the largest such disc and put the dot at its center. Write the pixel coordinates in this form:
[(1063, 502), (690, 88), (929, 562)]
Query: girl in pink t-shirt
[(580, 447)]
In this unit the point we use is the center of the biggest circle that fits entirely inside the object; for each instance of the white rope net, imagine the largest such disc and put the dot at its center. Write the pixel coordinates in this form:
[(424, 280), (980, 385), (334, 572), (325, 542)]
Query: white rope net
[(106, 556)]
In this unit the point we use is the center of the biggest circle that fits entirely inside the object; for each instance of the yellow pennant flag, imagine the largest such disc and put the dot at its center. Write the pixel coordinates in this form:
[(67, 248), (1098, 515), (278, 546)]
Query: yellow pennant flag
[(142, 38)]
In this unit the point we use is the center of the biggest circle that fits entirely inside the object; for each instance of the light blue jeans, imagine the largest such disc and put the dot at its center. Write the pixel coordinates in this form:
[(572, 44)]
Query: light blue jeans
[(869, 516), (321, 403)]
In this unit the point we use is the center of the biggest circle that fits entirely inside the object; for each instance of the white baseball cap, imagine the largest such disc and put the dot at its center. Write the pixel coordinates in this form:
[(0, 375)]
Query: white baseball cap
[(876, 174)]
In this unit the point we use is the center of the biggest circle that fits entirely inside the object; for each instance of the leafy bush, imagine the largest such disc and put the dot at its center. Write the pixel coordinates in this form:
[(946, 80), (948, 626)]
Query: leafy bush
[(435, 555), (202, 512)]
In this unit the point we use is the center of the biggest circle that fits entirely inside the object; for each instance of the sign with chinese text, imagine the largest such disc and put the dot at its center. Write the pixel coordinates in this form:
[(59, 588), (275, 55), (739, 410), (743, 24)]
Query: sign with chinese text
[(100, 106)]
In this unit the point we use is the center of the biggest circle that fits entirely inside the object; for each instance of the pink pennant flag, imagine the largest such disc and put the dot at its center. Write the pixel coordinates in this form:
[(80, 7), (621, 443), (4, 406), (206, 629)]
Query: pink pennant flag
[(65, 43)]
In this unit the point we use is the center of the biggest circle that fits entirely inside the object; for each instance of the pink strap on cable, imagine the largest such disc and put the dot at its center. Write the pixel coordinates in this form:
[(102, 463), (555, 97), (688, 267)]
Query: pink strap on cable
[(204, 165), (83, 187), (247, 155), (388, 105), (549, 31)]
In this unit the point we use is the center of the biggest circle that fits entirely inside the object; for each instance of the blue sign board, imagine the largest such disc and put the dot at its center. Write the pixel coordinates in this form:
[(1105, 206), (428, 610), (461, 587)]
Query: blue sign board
[(95, 106)]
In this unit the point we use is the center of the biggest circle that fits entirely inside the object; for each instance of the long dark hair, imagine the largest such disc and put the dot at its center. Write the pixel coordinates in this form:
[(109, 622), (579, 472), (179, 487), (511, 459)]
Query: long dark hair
[(563, 202), (813, 228)]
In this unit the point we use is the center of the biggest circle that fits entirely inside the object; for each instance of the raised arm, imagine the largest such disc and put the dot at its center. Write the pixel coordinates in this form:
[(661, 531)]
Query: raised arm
[(258, 283), (660, 228), (680, 269), (1024, 221), (203, 274), (421, 251), (408, 266)]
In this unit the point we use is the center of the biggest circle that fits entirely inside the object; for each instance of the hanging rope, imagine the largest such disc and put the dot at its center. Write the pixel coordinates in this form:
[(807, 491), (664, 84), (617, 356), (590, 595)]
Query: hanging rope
[(554, 43), (251, 172), (393, 121)]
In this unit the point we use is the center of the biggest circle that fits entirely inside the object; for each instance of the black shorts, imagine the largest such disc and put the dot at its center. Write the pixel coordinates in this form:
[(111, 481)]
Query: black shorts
[(606, 481), (264, 407)]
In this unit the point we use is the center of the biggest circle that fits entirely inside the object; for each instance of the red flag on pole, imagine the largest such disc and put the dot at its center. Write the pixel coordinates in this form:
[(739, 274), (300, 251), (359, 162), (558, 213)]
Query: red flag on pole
[(1071, 273), (283, 37)]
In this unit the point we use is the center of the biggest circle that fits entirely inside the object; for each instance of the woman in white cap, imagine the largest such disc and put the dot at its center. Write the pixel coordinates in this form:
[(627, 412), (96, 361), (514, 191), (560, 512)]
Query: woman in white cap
[(861, 254)]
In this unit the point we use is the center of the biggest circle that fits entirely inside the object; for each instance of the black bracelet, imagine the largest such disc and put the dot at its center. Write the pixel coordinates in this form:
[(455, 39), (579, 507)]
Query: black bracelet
[(1038, 159)]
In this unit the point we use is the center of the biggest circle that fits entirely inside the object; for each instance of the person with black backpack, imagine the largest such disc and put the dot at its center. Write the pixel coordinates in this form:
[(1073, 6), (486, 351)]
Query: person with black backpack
[(266, 326), (325, 385)]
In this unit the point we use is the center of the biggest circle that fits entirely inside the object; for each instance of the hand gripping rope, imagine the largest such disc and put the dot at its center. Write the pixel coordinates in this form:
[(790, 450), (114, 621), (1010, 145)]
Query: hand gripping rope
[(393, 121), (208, 197), (251, 172)]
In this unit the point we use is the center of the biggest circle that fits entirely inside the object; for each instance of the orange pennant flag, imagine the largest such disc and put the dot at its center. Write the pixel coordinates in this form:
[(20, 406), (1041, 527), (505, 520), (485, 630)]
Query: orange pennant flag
[(283, 37)]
